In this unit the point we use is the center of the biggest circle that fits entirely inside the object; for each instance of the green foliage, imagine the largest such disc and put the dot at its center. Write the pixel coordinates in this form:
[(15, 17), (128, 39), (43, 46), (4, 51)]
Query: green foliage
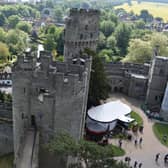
[(4, 97), (140, 24), (17, 41), (102, 41), (91, 153), (20, 10), (49, 43), (58, 14), (24, 26), (98, 88), (63, 144), (113, 17), (2, 35), (4, 52), (111, 42), (107, 27), (2, 19), (122, 35), (160, 131), (161, 41), (107, 54), (146, 16), (54, 39), (138, 51), (137, 118), (13, 20)]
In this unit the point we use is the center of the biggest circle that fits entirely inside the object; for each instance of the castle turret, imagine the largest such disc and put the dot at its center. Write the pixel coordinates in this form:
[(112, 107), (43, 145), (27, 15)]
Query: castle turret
[(164, 107), (81, 32), (158, 77)]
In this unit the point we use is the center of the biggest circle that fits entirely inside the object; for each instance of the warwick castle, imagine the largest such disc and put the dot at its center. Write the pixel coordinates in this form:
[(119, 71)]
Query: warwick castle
[(49, 97)]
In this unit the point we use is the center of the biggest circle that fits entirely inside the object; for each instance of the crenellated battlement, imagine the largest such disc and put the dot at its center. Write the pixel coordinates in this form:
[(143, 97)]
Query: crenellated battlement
[(76, 11), (121, 68)]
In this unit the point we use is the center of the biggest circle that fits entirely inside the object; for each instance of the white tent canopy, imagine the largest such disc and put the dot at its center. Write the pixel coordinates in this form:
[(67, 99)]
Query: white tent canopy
[(110, 112)]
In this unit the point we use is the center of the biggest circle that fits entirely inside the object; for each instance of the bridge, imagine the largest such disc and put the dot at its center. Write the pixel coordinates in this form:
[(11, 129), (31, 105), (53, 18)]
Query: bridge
[(28, 158)]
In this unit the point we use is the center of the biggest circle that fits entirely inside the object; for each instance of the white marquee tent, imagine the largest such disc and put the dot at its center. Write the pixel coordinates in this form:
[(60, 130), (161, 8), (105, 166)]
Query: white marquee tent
[(104, 117)]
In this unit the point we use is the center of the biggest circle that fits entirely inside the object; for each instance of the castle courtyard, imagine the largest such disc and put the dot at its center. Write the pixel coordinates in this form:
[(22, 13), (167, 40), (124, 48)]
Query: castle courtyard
[(146, 152)]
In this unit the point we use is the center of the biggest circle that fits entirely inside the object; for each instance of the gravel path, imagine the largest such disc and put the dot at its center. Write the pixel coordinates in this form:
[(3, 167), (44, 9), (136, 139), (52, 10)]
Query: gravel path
[(150, 145)]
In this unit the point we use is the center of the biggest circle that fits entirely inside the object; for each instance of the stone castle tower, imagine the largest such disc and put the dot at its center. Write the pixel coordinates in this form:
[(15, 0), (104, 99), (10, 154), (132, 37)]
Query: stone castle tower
[(158, 77), (81, 31), (48, 96)]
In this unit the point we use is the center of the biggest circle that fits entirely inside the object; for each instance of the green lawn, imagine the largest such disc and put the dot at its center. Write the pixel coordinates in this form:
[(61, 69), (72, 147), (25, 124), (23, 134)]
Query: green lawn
[(156, 9), (160, 130), (117, 151), (137, 118), (6, 161)]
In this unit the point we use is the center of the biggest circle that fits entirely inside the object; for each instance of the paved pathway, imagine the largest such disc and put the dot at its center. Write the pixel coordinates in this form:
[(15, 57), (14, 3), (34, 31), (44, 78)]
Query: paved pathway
[(25, 160), (150, 145)]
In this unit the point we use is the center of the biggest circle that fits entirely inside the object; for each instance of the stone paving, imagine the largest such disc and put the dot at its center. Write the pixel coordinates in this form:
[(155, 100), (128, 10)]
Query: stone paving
[(25, 160), (145, 153)]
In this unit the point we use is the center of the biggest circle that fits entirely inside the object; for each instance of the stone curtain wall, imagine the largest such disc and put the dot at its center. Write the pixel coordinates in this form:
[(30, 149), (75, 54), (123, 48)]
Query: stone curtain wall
[(6, 110), (6, 138)]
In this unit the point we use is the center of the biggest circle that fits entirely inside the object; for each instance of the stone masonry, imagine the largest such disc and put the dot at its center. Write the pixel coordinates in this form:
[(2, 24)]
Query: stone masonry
[(52, 96)]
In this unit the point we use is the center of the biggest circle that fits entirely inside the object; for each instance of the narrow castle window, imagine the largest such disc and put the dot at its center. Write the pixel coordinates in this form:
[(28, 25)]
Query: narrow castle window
[(81, 36), (22, 115), (86, 27), (161, 72), (91, 35)]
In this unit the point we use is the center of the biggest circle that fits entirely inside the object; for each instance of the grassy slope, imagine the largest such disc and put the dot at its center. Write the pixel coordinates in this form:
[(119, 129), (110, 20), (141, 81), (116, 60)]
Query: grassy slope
[(137, 118), (160, 130), (156, 9), (117, 151)]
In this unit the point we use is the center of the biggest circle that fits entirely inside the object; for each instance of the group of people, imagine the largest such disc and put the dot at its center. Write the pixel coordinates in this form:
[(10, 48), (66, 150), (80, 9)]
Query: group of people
[(135, 165), (136, 142), (165, 158)]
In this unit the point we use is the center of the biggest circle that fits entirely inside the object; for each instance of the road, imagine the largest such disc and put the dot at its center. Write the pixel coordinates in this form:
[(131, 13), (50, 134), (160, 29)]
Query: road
[(145, 153)]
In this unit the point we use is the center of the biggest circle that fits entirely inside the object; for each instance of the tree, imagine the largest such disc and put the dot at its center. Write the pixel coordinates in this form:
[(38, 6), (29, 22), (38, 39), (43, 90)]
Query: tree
[(113, 18), (2, 19), (98, 87), (107, 27), (161, 41), (92, 154), (138, 51), (111, 42), (4, 52), (122, 35), (145, 15), (13, 20), (102, 41), (107, 54), (49, 43), (24, 26), (140, 24), (2, 35), (17, 41), (59, 14)]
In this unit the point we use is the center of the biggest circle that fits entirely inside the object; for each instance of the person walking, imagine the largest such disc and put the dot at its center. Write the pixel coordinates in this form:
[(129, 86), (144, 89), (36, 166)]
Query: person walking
[(140, 165), (140, 141), (129, 160), (120, 143), (135, 142), (157, 157), (135, 164)]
